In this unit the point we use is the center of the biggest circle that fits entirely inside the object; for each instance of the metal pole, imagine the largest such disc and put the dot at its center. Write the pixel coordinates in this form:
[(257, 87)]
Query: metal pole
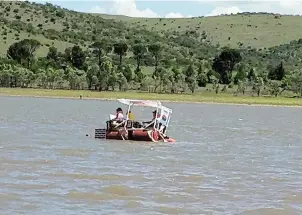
[(155, 126), (167, 125), (129, 107)]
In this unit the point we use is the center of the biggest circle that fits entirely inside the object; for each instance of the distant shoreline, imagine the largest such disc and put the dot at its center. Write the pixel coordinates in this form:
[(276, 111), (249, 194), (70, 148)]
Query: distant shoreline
[(34, 93)]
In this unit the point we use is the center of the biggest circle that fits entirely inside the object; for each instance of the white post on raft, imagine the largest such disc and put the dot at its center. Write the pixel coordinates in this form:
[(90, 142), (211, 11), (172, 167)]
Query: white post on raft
[(167, 112), (129, 108), (156, 123), (168, 123)]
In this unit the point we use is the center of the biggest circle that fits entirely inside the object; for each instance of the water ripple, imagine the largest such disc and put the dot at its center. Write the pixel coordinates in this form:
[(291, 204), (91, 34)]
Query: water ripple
[(232, 160)]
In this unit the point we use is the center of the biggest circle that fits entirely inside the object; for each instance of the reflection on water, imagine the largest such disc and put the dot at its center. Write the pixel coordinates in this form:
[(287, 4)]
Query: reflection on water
[(228, 160)]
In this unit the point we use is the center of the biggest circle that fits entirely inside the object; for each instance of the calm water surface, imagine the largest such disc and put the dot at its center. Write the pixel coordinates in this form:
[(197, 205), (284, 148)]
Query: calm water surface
[(228, 160)]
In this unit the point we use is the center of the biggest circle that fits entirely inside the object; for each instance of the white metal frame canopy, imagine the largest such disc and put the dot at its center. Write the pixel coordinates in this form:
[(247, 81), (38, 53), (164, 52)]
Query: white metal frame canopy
[(142, 103), (163, 117)]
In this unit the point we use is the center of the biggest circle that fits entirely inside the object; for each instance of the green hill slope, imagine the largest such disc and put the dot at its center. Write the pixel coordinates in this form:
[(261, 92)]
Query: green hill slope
[(49, 24), (55, 25), (257, 30), (61, 28)]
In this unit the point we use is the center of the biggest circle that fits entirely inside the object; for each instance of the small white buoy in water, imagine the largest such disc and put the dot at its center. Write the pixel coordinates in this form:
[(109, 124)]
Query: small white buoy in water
[(151, 148)]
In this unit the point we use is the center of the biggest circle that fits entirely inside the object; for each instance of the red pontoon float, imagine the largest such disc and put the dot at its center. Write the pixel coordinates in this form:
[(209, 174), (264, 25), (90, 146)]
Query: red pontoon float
[(136, 131)]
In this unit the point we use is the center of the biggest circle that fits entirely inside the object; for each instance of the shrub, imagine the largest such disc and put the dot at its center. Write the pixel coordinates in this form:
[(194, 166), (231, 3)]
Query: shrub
[(60, 14)]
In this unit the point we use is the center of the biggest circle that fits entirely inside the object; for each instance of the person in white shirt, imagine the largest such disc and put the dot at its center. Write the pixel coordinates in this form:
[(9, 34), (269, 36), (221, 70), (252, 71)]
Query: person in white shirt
[(118, 120), (119, 115)]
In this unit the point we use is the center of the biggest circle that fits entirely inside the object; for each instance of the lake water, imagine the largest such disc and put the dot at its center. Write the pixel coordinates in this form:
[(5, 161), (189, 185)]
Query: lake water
[(227, 160)]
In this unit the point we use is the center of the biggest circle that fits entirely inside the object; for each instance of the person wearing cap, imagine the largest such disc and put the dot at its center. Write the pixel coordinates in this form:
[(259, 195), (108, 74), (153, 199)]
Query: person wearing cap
[(151, 123), (154, 114)]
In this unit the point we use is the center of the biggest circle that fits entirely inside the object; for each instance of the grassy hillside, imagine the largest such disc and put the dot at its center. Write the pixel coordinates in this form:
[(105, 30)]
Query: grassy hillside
[(203, 36), (255, 30), (62, 28), (50, 25)]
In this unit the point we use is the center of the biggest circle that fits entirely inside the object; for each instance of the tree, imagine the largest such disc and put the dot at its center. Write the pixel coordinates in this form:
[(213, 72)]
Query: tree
[(257, 85), (215, 81), (139, 51), (179, 80), (157, 76), (128, 73), (211, 73), (155, 50), (241, 75), (5, 75), (52, 59), (120, 49), (106, 71), (71, 77), (76, 78), (277, 73), (167, 80), (52, 53), (99, 49), (242, 85), (252, 75), (224, 64), (67, 56), (146, 84), (121, 81), (296, 82), (23, 51), (201, 76), (275, 87), (112, 79), (92, 75), (78, 57), (191, 76), (51, 78)]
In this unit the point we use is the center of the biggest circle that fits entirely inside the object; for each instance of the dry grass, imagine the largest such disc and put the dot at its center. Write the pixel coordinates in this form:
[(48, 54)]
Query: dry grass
[(200, 97)]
